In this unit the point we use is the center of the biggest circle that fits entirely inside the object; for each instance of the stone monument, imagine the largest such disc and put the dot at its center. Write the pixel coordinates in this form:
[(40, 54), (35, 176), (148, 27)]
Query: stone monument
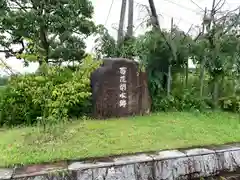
[(119, 89)]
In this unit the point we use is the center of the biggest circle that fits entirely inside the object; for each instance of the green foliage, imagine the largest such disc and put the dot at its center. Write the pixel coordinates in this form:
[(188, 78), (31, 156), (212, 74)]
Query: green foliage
[(156, 56), (47, 31), (185, 98), (3, 81), (217, 55), (107, 46), (55, 94), (184, 101)]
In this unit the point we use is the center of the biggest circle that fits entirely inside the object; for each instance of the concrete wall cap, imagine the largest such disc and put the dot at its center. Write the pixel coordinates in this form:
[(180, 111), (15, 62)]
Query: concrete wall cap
[(172, 154)]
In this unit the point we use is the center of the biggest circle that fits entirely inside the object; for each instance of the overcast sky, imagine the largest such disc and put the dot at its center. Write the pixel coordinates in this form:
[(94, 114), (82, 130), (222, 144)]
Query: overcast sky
[(184, 12)]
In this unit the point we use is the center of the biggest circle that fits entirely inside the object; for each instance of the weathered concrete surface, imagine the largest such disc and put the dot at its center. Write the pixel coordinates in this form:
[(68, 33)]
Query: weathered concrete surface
[(6, 173), (170, 165), (197, 163)]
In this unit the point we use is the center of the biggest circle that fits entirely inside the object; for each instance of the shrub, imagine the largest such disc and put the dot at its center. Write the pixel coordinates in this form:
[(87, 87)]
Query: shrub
[(184, 102), (55, 94), (185, 98), (17, 106)]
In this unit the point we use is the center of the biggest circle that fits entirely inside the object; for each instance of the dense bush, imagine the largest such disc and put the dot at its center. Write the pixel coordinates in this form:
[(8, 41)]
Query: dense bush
[(186, 98), (185, 101), (54, 94)]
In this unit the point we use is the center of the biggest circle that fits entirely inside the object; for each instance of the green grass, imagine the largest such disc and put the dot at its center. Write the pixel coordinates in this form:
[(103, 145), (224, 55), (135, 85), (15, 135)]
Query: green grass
[(92, 138)]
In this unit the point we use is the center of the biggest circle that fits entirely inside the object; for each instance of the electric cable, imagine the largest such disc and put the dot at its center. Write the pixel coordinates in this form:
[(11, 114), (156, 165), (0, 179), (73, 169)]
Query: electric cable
[(109, 12)]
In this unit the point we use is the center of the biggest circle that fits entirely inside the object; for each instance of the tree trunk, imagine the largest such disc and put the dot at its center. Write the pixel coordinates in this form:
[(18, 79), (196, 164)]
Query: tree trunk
[(186, 75), (121, 21), (234, 86), (169, 79), (215, 91), (170, 66), (130, 19), (45, 44), (202, 72)]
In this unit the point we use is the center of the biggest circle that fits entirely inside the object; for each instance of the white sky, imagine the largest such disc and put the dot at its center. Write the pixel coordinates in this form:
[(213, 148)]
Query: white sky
[(184, 12)]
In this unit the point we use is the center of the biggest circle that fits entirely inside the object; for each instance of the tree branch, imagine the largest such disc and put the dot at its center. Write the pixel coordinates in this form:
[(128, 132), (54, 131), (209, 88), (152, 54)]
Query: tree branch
[(9, 52), (203, 26), (198, 36), (21, 7), (6, 66), (227, 14), (233, 24), (220, 7)]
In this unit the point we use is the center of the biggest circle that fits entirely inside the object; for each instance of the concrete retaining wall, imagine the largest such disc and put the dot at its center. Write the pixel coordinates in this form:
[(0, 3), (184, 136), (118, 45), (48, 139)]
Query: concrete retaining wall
[(163, 165)]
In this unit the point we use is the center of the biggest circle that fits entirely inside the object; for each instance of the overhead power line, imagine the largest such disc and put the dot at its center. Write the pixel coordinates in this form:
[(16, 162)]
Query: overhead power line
[(179, 18), (184, 7), (143, 7), (106, 21), (160, 13), (109, 12), (197, 5)]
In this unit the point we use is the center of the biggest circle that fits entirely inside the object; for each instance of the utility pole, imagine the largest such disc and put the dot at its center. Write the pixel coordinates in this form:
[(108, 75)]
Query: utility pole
[(154, 14), (130, 18), (121, 21)]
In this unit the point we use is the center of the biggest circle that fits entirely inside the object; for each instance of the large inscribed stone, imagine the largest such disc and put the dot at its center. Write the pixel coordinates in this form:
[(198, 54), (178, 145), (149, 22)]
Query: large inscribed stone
[(119, 89)]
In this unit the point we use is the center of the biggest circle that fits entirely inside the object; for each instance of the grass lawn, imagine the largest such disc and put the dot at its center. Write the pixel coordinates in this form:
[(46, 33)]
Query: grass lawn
[(90, 138)]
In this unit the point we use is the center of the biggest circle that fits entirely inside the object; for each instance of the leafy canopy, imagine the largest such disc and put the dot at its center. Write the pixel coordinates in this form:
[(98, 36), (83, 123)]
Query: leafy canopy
[(47, 30)]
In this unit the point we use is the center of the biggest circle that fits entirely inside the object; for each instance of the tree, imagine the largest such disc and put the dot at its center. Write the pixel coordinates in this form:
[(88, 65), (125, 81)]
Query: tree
[(107, 46), (222, 43), (47, 30)]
